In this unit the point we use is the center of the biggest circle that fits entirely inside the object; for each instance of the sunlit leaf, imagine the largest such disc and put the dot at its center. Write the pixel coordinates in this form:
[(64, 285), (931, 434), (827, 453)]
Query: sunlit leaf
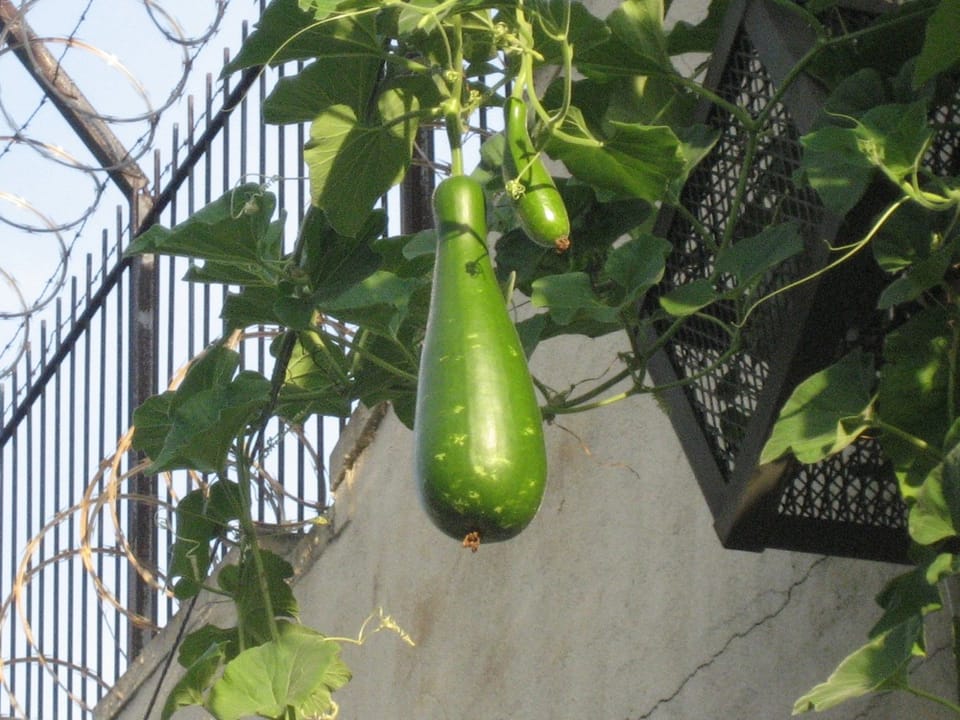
[(316, 380), (690, 297), (233, 230), (637, 46), (633, 160), (353, 162), (379, 301), (299, 670), (878, 665), (301, 97), (935, 512), (285, 32), (910, 595), (825, 413), (894, 137)]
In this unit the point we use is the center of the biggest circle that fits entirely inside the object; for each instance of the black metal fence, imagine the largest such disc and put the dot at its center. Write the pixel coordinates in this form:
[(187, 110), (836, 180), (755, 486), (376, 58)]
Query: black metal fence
[(84, 545)]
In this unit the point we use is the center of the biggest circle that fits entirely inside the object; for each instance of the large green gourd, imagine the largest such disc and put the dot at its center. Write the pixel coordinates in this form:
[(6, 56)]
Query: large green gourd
[(480, 459)]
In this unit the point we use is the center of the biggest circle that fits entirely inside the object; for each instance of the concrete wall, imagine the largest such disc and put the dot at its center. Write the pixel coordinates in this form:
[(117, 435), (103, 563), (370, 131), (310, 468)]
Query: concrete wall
[(616, 603)]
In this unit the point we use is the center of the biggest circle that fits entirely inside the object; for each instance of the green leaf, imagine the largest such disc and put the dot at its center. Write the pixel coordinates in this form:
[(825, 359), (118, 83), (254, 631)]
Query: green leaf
[(699, 38), (638, 265), (201, 517), (196, 643), (687, 299), (320, 8), (334, 262), (878, 665), (941, 51), (234, 229), (910, 595), (316, 380), (825, 413), (191, 688), (637, 45), (243, 580), (909, 236), (379, 301), (835, 167), (285, 32), (353, 162), (935, 512), (696, 142), (922, 276), (252, 306), (748, 260), (586, 30), (633, 161), (894, 137), (320, 85), (854, 95), (299, 670), (200, 420), (916, 366), (570, 297)]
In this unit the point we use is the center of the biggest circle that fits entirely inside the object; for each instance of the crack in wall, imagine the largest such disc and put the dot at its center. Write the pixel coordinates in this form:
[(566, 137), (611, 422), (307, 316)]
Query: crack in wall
[(739, 635)]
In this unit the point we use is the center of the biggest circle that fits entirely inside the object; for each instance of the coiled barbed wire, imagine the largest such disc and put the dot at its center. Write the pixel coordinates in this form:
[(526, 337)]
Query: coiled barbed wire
[(97, 521), (61, 140)]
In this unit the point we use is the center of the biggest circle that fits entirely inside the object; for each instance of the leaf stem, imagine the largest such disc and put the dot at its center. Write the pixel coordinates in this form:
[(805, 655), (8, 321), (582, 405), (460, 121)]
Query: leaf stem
[(924, 694), (917, 442), (375, 359)]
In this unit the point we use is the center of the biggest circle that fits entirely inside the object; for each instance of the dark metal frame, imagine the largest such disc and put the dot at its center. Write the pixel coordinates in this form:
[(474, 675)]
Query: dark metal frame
[(848, 505)]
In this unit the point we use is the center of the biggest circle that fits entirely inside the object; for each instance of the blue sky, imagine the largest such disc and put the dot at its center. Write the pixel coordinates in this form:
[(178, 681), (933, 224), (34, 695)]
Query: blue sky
[(126, 64)]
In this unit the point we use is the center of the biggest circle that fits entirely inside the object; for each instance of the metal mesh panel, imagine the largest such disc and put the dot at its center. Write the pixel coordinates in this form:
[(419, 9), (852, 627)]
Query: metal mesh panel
[(854, 488), (725, 398)]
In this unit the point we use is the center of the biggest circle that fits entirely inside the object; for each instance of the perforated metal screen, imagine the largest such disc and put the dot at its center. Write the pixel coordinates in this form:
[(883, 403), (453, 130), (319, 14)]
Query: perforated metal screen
[(849, 504)]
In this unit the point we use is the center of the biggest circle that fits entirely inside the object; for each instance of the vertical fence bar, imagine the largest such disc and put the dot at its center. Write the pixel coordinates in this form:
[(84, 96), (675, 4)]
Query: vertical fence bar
[(144, 282)]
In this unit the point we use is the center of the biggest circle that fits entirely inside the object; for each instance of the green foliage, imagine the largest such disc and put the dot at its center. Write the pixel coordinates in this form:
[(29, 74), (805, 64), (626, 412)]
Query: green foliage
[(825, 413), (873, 144), (348, 304), (194, 426), (298, 672), (879, 665)]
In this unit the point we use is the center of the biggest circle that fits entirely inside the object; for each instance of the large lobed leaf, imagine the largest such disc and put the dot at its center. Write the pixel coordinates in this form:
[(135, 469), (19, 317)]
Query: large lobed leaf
[(353, 159), (194, 426), (878, 665), (299, 670)]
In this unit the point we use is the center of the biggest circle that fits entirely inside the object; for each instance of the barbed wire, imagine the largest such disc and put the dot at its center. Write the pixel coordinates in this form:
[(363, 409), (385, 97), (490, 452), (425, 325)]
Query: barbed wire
[(97, 519), (61, 139)]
